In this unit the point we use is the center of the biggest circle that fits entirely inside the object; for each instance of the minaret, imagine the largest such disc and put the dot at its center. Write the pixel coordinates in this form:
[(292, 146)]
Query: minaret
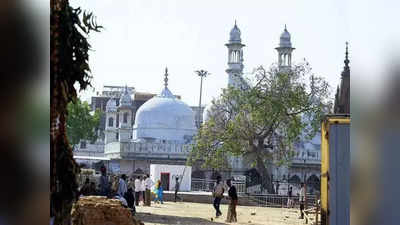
[(111, 121), (235, 57), (343, 99), (284, 51), (125, 116)]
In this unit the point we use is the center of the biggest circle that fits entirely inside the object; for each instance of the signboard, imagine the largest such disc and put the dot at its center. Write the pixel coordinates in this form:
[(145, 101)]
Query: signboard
[(114, 167), (239, 178)]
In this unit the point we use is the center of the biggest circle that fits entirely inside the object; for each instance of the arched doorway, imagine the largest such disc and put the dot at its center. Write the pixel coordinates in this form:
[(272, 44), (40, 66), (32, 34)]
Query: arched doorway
[(294, 180), (313, 183)]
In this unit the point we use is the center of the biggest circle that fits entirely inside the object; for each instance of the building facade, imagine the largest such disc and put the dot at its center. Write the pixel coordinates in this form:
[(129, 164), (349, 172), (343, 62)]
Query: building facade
[(162, 132), (305, 166), (139, 129)]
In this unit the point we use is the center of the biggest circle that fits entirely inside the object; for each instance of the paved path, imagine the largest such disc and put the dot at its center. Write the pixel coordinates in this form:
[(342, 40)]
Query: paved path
[(185, 213)]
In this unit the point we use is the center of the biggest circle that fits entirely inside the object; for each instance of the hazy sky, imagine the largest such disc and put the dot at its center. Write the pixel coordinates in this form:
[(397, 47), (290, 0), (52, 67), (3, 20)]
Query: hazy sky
[(142, 37)]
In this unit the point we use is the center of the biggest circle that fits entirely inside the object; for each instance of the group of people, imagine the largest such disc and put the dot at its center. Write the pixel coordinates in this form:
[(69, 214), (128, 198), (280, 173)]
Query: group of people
[(131, 192), (142, 187), (137, 190), (218, 194)]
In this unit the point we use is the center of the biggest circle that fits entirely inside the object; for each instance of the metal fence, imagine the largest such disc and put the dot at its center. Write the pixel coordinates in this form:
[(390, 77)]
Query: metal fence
[(208, 185), (272, 200), (202, 184)]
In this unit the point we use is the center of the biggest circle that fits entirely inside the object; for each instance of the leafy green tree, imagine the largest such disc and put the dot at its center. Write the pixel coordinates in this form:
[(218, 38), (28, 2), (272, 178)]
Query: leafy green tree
[(81, 125), (262, 121)]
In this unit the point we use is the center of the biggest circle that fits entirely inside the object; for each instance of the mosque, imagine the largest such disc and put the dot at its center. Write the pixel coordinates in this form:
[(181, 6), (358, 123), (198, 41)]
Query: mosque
[(159, 129), (162, 132)]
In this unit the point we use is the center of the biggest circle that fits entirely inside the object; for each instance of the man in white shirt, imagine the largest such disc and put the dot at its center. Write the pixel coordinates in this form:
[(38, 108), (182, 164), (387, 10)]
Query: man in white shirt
[(143, 188), (302, 199), (148, 184), (122, 188), (137, 190)]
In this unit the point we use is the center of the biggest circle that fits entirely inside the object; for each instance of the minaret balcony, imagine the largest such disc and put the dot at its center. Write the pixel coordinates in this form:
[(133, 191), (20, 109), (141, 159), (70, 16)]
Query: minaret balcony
[(235, 66)]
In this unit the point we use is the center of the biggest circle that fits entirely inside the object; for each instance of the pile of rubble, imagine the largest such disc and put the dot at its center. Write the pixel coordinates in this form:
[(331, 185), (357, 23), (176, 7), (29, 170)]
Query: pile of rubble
[(97, 210)]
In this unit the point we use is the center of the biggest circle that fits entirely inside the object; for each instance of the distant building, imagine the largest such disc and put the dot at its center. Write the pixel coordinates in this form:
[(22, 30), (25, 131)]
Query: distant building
[(305, 166), (138, 129), (162, 132)]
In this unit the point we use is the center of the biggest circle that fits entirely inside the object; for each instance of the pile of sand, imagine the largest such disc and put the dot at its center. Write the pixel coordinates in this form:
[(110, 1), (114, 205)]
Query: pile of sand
[(97, 210)]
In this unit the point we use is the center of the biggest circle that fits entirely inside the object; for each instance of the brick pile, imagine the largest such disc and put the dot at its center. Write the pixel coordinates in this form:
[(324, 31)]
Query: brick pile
[(98, 210)]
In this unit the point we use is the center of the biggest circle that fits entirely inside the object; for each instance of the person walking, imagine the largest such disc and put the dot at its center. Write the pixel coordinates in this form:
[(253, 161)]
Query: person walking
[(148, 184), (143, 189), (122, 187), (177, 188), (232, 193), (218, 194), (159, 192), (289, 200), (302, 198), (137, 190), (104, 182), (130, 199)]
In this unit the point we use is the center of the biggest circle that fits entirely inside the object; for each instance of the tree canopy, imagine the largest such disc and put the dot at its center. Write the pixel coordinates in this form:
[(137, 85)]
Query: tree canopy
[(262, 120), (81, 125)]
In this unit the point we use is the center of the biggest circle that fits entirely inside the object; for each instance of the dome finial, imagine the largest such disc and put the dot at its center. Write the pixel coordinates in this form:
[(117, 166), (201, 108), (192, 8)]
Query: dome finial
[(346, 60), (235, 22), (166, 77), (285, 26)]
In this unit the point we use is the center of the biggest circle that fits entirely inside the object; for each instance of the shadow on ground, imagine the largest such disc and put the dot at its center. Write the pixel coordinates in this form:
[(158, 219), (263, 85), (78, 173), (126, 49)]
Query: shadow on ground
[(175, 220)]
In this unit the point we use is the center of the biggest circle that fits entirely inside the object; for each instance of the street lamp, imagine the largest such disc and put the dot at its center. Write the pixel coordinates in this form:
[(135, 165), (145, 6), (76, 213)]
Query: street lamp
[(304, 170), (201, 74)]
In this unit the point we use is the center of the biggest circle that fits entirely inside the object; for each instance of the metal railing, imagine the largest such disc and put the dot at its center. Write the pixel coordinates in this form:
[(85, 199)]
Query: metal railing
[(208, 185), (272, 200), (202, 185)]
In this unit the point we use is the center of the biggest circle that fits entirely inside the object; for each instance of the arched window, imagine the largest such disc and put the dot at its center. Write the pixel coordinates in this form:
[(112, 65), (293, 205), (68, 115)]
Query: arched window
[(125, 117), (295, 179), (110, 122)]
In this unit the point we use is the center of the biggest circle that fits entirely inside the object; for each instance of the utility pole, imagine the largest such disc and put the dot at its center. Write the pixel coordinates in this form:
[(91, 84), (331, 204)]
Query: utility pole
[(201, 74)]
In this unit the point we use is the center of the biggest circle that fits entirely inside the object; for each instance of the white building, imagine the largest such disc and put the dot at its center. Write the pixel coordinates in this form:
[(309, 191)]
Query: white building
[(307, 161), (162, 133), (167, 174)]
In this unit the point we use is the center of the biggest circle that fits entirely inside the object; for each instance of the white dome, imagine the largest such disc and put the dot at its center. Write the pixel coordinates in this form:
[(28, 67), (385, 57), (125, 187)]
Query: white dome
[(164, 117), (111, 105), (234, 35), (285, 39)]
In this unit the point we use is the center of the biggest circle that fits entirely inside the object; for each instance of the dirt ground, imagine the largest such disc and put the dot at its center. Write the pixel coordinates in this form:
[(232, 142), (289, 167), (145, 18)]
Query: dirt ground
[(184, 213)]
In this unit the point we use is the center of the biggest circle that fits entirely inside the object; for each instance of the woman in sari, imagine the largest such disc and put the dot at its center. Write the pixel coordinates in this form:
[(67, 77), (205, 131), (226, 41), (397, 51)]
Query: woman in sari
[(158, 191)]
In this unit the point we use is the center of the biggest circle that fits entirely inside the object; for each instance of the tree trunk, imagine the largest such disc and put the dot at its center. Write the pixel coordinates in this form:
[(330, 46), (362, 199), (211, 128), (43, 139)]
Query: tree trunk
[(266, 182)]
